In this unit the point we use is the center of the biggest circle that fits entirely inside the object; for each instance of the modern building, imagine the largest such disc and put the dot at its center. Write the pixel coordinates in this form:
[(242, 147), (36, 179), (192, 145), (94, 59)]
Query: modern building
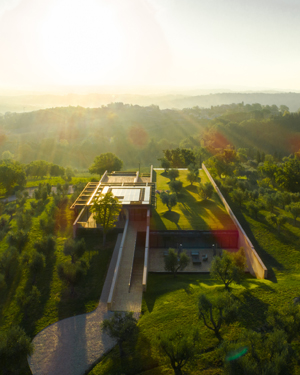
[(135, 192)]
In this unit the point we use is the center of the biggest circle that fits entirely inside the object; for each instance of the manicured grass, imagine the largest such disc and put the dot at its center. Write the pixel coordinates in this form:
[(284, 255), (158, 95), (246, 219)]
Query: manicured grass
[(56, 301), (190, 213)]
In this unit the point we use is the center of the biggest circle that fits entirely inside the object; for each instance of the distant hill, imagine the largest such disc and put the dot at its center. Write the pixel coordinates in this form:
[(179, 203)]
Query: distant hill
[(26, 103)]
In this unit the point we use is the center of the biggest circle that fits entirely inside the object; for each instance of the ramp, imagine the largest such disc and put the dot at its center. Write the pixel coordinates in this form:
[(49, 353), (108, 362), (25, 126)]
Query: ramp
[(131, 270)]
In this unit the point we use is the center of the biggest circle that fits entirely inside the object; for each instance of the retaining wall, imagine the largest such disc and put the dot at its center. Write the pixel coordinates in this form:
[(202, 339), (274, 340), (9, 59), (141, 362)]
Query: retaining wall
[(146, 257), (254, 263)]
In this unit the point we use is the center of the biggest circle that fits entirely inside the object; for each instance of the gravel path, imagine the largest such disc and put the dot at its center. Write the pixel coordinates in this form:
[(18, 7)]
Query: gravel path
[(71, 346)]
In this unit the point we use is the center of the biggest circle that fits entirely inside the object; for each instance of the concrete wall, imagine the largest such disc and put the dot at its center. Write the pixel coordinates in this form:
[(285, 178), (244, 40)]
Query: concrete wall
[(146, 256), (254, 263)]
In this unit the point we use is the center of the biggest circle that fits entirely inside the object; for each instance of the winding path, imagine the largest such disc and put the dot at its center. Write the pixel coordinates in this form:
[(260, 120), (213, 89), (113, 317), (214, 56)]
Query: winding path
[(71, 346)]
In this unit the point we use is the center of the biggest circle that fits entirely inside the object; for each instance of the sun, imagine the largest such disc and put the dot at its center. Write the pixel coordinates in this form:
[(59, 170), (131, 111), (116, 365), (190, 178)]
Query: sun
[(82, 41)]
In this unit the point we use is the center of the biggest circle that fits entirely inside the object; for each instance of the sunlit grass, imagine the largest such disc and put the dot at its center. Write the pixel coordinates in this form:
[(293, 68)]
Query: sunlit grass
[(190, 213)]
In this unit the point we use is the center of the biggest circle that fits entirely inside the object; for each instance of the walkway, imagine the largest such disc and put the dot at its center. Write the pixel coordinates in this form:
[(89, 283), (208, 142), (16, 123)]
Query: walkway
[(71, 346), (123, 299)]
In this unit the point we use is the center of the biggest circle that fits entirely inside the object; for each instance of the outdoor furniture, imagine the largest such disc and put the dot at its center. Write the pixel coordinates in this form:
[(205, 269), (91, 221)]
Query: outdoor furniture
[(195, 257), (204, 257)]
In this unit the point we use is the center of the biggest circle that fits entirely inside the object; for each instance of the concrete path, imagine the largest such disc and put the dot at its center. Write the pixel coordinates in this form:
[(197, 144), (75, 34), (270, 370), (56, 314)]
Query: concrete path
[(71, 346), (124, 300)]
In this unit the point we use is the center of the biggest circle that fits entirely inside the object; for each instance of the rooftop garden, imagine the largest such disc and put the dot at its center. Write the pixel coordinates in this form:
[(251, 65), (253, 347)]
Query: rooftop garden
[(190, 213)]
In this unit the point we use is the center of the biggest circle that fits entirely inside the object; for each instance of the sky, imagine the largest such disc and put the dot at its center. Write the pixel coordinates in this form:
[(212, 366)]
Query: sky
[(234, 44)]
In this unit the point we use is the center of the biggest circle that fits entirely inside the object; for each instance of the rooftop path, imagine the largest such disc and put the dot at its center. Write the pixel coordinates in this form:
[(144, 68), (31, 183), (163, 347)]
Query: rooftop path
[(73, 345), (124, 300)]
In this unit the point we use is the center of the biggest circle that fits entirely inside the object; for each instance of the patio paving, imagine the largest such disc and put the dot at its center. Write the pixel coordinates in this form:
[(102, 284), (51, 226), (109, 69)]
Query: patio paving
[(157, 264)]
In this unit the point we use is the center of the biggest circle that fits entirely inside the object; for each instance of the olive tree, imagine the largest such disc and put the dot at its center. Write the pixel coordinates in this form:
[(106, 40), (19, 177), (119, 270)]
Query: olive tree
[(175, 262), (121, 326)]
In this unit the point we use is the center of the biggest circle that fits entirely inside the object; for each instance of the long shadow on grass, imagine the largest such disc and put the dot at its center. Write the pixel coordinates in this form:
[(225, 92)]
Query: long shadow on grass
[(191, 210), (156, 221), (137, 358), (252, 310), (173, 217), (160, 284)]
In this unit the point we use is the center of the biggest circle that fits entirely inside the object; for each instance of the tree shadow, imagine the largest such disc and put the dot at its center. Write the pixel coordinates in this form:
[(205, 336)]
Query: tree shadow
[(252, 310), (173, 217), (192, 211), (156, 222), (138, 358), (192, 189)]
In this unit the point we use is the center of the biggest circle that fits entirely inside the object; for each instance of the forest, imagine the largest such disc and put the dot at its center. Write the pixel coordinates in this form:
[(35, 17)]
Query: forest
[(74, 136)]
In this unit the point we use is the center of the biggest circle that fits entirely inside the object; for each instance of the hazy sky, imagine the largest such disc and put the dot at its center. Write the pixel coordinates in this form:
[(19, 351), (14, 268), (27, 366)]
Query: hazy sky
[(197, 43)]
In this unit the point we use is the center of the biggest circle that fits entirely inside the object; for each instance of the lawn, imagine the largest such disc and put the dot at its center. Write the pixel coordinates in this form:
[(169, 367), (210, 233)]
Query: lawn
[(172, 303), (190, 213)]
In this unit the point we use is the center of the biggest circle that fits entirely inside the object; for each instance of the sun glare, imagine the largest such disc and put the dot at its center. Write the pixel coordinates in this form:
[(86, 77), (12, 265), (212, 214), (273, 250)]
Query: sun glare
[(82, 40)]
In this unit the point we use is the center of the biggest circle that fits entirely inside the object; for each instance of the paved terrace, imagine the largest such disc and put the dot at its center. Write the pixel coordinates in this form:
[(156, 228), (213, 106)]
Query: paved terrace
[(157, 264)]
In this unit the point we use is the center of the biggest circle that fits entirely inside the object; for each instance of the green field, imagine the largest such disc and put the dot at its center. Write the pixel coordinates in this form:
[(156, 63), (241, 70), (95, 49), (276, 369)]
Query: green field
[(190, 213)]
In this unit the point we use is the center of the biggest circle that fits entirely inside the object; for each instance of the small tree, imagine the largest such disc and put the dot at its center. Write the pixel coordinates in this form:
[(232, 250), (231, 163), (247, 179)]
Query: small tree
[(215, 314), (15, 346), (254, 208), (176, 186), (192, 177), (106, 162), (165, 163), (46, 245), (28, 302), (256, 353), (277, 221), (174, 263), (239, 196), (106, 209), (225, 269), (173, 174), (17, 239), (179, 347), (36, 264), (270, 202), (121, 327), (71, 273), (170, 200), (286, 318), (75, 249), (205, 191), (8, 261), (294, 209)]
